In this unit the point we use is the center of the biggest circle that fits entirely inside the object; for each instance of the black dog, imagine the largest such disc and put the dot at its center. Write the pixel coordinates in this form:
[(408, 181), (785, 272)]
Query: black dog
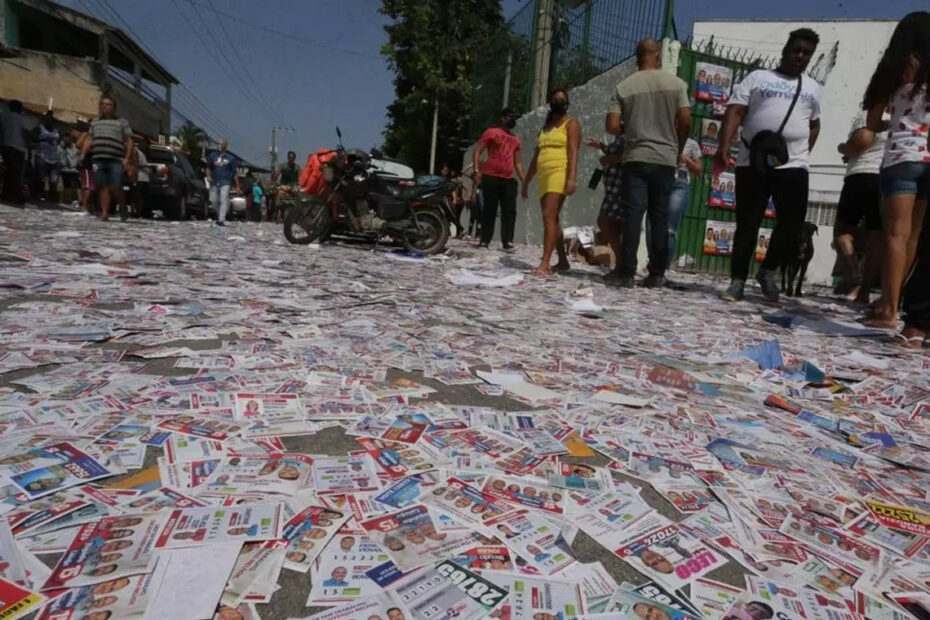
[(796, 265)]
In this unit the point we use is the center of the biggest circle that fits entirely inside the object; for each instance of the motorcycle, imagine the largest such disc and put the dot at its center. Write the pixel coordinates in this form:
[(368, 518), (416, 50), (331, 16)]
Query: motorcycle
[(361, 202)]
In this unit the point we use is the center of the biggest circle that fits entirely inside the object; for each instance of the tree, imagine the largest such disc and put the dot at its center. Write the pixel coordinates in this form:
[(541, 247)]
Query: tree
[(432, 45), (190, 137)]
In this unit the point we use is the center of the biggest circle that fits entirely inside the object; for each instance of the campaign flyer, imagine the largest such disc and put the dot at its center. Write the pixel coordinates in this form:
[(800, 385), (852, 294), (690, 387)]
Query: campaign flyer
[(580, 477), (722, 191), (308, 531), (32, 514), (718, 237), (449, 592), (339, 576), (535, 538), (284, 474), (200, 426), (344, 474), (16, 601), (396, 459), (108, 549), (406, 491), (159, 499), (710, 138), (411, 539), (250, 407), (464, 502), (538, 599), (523, 493), (669, 555), (72, 467), (187, 527), (712, 82), (646, 602), (762, 244), (139, 432), (486, 557), (375, 605), (125, 598), (844, 548)]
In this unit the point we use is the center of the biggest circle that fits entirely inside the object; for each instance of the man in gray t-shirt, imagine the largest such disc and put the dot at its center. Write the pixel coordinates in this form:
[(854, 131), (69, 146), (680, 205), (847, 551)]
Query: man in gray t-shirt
[(652, 110)]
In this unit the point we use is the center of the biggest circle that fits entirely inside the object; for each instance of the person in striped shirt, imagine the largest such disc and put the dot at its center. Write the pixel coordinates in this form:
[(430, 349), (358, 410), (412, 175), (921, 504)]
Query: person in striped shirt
[(110, 147)]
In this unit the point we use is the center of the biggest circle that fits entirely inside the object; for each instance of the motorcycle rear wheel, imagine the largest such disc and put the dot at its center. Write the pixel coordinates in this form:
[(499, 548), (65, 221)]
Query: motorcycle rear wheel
[(432, 236), (307, 222)]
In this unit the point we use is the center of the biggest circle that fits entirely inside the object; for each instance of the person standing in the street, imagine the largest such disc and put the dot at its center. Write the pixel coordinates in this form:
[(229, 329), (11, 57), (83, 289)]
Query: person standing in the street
[(556, 159), (860, 200), (901, 86), (69, 155), (257, 195), (287, 176), (221, 174), (140, 189), (110, 146), (769, 104), (652, 110), (13, 149), (609, 220), (47, 163), (495, 178)]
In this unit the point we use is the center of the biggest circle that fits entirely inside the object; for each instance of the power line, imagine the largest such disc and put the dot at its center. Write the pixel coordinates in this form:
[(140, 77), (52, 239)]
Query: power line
[(288, 35), (245, 68)]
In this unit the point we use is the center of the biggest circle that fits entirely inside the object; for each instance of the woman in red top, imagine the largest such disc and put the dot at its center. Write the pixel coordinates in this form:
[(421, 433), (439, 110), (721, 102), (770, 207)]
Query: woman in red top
[(496, 178)]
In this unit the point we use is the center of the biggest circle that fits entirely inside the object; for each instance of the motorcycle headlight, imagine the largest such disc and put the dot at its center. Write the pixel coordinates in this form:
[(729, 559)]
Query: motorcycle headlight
[(328, 174)]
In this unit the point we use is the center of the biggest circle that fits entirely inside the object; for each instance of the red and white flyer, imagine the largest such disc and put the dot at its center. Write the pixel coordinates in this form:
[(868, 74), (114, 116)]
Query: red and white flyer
[(16, 601), (201, 426), (189, 527), (523, 492), (250, 407), (535, 538), (464, 502), (411, 538), (159, 499), (308, 531), (107, 549), (284, 474), (395, 459)]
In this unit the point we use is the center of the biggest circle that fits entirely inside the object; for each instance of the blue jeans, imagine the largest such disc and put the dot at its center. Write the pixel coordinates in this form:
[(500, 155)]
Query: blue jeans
[(910, 177), (645, 188), (108, 172), (678, 203)]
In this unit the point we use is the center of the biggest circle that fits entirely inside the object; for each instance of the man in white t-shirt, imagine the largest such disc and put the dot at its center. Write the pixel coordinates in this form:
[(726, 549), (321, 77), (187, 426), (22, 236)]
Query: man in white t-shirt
[(860, 199), (761, 102)]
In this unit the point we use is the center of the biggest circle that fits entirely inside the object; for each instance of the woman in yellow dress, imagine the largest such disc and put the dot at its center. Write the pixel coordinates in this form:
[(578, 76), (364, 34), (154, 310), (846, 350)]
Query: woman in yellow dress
[(556, 162)]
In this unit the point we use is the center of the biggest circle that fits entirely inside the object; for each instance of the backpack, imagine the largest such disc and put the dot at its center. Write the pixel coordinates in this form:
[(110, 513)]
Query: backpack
[(311, 177)]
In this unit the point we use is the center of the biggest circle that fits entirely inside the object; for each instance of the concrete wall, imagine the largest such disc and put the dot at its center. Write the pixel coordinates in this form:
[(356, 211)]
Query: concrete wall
[(34, 77), (143, 115), (589, 104)]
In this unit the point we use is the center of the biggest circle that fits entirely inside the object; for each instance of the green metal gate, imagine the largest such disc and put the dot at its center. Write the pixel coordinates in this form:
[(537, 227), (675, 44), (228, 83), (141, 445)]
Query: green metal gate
[(692, 232)]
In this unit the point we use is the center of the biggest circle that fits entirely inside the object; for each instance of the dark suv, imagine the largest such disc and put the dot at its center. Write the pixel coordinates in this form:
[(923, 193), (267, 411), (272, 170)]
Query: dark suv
[(175, 187)]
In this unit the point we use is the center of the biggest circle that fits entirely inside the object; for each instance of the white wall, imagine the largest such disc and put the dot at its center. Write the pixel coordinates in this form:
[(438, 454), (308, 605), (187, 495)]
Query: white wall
[(589, 104)]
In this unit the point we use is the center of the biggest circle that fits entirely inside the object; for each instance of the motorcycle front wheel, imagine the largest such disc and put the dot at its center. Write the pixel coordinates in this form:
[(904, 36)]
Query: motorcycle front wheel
[(431, 236), (307, 222)]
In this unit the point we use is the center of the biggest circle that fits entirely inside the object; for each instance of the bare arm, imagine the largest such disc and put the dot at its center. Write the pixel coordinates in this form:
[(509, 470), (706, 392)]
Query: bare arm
[(731, 122), (574, 143), (530, 174), (476, 160), (874, 120), (518, 164), (694, 165), (682, 127), (858, 141), (613, 125), (127, 151), (815, 132)]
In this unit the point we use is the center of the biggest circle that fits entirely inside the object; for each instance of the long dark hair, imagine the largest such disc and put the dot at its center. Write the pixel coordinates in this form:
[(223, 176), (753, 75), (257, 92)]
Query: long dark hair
[(550, 116), (911, 38)]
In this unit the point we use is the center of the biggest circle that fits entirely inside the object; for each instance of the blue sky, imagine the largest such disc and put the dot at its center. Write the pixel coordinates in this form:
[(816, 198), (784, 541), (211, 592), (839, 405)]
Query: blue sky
[(315, 64)]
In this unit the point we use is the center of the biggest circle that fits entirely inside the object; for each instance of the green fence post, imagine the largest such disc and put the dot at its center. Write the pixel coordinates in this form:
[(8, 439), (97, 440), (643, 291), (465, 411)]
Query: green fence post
[(669, 18)]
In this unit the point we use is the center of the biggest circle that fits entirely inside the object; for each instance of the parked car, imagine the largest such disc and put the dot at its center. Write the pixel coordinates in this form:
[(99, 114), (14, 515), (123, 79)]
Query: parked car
[(175, 188)]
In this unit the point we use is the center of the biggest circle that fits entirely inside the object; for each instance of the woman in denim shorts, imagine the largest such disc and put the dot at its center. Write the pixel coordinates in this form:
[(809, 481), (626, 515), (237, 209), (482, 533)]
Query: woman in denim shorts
[(901, 84)]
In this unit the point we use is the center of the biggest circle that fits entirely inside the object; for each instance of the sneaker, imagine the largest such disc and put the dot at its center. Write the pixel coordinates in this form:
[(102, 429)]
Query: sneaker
[(654, 280), (221, 223), (766, 279), (482, 246), (735, 291), (509, 248), (618, 280)]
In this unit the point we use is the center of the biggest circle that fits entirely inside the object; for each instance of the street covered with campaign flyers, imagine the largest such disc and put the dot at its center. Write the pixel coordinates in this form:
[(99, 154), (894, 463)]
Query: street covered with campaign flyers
[(338, 433)]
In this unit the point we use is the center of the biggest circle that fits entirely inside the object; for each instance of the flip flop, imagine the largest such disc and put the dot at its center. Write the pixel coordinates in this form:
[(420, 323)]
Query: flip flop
[(541, 274), (900, 340)]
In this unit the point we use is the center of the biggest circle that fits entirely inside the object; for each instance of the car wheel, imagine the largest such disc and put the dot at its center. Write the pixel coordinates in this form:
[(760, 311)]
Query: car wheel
[(180, 209)]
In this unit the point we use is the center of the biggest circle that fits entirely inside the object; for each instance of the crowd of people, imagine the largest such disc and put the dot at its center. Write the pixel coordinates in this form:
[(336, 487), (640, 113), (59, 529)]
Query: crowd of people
[(771, 123)]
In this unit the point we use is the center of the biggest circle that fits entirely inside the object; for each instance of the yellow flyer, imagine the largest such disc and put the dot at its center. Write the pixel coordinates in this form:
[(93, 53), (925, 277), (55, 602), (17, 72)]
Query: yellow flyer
[(16, 602)]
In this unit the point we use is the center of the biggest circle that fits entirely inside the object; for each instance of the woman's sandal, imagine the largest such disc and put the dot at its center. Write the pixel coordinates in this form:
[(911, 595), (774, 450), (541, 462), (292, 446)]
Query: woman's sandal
[(900, 340)]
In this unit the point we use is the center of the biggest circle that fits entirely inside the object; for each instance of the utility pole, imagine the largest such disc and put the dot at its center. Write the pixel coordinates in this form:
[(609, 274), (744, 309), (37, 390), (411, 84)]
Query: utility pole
[(542, 54), (273, 151), (507, 79), (432, 150)]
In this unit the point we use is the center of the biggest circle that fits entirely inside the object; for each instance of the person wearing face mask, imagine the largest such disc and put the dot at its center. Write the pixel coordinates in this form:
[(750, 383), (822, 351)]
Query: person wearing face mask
[(495, 178), (556, 161)]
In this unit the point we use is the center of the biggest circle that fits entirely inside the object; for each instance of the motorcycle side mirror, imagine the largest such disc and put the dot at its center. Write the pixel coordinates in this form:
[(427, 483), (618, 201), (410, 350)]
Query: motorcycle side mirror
[(376, 153)]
